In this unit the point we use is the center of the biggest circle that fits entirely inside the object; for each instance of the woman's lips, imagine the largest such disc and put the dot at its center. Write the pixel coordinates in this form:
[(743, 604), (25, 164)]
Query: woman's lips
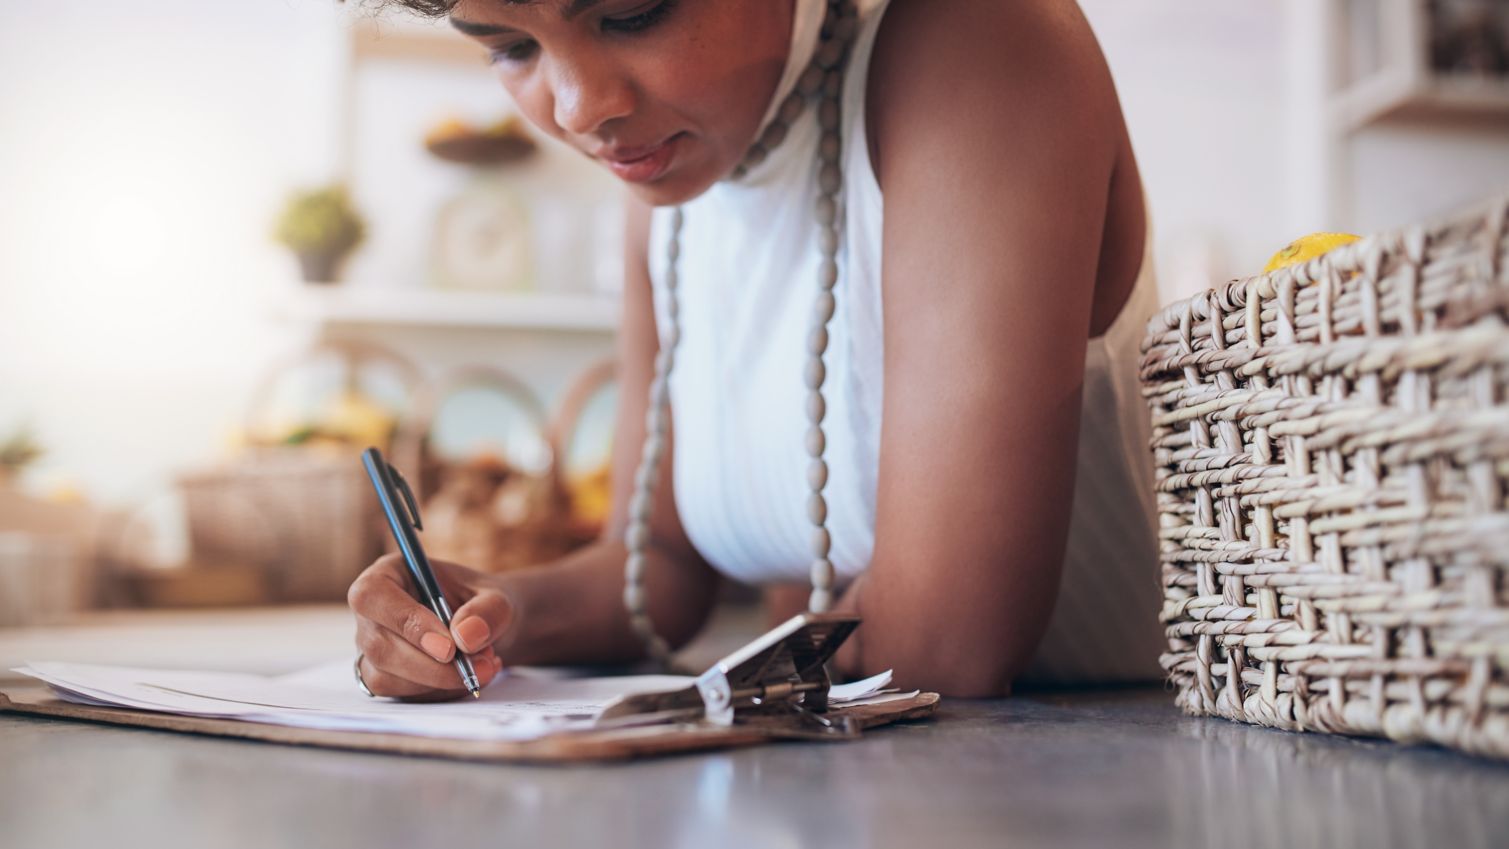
[(644, 164)]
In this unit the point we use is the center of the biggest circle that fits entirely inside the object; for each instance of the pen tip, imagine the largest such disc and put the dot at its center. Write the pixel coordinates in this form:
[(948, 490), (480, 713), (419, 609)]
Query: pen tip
[(476, 694)]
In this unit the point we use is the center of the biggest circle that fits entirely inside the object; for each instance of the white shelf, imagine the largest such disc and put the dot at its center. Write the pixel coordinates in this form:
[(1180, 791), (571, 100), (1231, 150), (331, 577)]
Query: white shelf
[(1436, 97), (347, 304), (1400, 82)]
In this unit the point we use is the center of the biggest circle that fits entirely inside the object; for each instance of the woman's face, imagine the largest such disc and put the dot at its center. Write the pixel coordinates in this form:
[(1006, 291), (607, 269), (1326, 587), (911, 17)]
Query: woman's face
[(667, 94)]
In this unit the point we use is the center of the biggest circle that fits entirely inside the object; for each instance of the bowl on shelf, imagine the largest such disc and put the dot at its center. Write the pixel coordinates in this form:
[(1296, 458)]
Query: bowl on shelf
[(498, 144)]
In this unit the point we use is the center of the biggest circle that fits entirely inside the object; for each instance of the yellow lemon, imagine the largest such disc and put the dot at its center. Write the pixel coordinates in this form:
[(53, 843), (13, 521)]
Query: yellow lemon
[(1308, 247)]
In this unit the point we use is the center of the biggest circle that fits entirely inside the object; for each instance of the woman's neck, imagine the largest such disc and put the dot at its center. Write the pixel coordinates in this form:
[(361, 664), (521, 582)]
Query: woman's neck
[(806, 31)]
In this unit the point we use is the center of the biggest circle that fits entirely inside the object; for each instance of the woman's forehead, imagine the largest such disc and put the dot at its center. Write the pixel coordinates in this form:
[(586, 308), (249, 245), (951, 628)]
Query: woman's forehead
[(472, 16)]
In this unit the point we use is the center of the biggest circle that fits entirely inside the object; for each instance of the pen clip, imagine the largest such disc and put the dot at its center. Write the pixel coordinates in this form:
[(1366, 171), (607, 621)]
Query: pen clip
[(408, 496)]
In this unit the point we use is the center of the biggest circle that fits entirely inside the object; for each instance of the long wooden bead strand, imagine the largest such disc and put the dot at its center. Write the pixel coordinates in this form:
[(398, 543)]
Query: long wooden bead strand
[(657, 426), (823, 79), (830, 182)]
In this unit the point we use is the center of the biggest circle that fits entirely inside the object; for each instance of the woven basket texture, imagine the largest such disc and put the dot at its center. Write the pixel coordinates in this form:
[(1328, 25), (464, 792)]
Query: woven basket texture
[(1332, 446), (310, 521)]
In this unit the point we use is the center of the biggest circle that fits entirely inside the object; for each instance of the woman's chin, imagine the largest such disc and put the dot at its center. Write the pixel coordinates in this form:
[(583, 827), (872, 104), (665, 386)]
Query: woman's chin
[(672, 189)]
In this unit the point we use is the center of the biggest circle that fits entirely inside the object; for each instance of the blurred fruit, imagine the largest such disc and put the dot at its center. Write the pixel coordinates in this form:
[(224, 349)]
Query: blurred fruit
[(1307, 248), (356, 419), (450, 128), (509, 127), (350, 419), (592, 496)]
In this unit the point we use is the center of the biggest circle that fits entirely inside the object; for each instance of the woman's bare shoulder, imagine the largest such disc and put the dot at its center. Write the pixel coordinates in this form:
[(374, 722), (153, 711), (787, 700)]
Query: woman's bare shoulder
[(1028, 69)]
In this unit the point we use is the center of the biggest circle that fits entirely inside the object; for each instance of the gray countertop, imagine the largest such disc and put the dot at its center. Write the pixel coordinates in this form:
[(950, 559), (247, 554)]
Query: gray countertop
[(1116, 768), (1108, 768)]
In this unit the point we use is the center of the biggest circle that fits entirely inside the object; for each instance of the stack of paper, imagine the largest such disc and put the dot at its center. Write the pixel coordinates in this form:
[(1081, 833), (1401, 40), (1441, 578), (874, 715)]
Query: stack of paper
[(522, 704)]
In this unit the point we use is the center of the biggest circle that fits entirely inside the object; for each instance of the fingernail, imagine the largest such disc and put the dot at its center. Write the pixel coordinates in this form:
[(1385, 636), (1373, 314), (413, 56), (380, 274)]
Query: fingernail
[(436, 645), (472, 632)]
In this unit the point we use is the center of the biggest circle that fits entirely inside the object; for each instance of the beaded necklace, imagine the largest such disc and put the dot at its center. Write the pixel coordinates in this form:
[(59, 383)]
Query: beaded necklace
[(822, 81)]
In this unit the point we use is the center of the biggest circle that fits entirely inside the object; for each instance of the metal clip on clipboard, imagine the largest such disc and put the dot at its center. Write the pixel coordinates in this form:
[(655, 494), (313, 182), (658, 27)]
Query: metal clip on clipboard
[(779, 682)]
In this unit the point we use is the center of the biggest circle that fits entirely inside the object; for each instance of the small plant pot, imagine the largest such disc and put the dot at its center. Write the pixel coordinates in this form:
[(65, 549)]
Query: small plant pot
[(321, 267)]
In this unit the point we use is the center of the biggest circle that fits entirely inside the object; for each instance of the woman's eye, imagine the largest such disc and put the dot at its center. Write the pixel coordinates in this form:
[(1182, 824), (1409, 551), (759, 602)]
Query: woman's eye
[(515, 52), (641, 18)]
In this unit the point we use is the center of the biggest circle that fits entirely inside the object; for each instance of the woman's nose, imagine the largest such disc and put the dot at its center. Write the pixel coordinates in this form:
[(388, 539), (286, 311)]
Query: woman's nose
[(588, 96)]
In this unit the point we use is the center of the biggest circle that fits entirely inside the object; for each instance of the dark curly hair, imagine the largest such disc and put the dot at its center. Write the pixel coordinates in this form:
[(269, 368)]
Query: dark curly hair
[(427, 8)]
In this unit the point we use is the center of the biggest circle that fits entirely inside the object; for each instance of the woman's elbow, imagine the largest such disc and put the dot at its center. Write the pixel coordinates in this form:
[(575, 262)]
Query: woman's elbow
[(972, 647), (979, 675), (958, 666)]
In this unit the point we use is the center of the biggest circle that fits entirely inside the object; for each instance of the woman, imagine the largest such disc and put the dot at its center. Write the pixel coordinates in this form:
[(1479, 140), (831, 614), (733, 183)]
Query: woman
[(958, 175)]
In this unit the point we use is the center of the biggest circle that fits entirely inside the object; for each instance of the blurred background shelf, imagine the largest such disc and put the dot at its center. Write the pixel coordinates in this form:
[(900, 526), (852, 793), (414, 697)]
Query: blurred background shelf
[(1439, 97), (1417, 61), (346, 304)]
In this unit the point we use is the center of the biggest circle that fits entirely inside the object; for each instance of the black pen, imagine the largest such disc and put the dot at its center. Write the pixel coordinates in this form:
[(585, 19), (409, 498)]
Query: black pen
[(403, 518)]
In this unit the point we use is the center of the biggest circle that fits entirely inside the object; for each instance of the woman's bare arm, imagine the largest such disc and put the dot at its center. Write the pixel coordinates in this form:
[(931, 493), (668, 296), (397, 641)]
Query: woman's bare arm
[(995, 151)]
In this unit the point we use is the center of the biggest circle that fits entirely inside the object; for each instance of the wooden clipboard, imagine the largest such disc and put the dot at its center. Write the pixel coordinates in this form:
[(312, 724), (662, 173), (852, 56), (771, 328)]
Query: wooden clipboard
[(774, 688), (572, 747)]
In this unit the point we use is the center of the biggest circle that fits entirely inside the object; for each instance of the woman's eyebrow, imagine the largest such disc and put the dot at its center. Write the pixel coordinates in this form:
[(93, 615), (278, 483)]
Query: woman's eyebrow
[(574, 8)]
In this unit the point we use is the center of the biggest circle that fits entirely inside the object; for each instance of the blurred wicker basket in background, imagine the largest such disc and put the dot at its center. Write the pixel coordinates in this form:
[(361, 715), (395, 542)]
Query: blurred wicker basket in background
[(1332, 445), (494, 513), (486, 509), (307, 519), (298, 506)]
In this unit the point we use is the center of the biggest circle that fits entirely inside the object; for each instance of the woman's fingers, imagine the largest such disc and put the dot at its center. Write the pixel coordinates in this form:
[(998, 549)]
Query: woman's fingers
[(406, 652), (387, 684), (401, 670), (382, 682), (477, 624), (390, 653), (379, 596)]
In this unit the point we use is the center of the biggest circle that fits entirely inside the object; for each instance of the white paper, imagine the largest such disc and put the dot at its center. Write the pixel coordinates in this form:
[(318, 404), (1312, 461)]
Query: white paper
[(521, 704), (859, 689)]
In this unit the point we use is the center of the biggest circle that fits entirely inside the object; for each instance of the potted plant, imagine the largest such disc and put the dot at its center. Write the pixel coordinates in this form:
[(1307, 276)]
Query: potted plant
[(17, 451), (321, 227)]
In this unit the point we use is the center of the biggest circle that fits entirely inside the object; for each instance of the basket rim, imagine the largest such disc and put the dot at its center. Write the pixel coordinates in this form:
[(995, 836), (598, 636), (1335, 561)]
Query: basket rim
[(1368, 253)]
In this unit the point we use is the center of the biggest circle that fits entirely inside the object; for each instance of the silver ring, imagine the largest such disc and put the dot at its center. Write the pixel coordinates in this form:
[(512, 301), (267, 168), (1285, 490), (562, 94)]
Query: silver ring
[(356, 668)]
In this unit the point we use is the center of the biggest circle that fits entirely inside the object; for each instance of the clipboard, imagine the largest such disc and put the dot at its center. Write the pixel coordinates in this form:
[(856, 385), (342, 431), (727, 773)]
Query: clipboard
[(775, 688)]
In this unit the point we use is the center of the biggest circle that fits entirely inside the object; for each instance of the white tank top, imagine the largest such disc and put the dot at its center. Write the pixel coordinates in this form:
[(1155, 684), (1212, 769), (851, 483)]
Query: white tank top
[(748, 276)]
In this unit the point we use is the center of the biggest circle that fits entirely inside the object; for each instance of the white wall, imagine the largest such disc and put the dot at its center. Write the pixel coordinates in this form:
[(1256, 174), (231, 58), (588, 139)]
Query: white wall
[(1404, 172), (146, 147), (1201, 86)]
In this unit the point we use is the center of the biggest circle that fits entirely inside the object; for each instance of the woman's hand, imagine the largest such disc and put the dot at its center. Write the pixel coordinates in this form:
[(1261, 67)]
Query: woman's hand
[(406, 652)]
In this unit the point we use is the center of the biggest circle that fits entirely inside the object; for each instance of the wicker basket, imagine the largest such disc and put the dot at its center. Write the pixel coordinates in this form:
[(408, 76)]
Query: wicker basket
[(496, 517), (307, 517), (1332, 444)]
